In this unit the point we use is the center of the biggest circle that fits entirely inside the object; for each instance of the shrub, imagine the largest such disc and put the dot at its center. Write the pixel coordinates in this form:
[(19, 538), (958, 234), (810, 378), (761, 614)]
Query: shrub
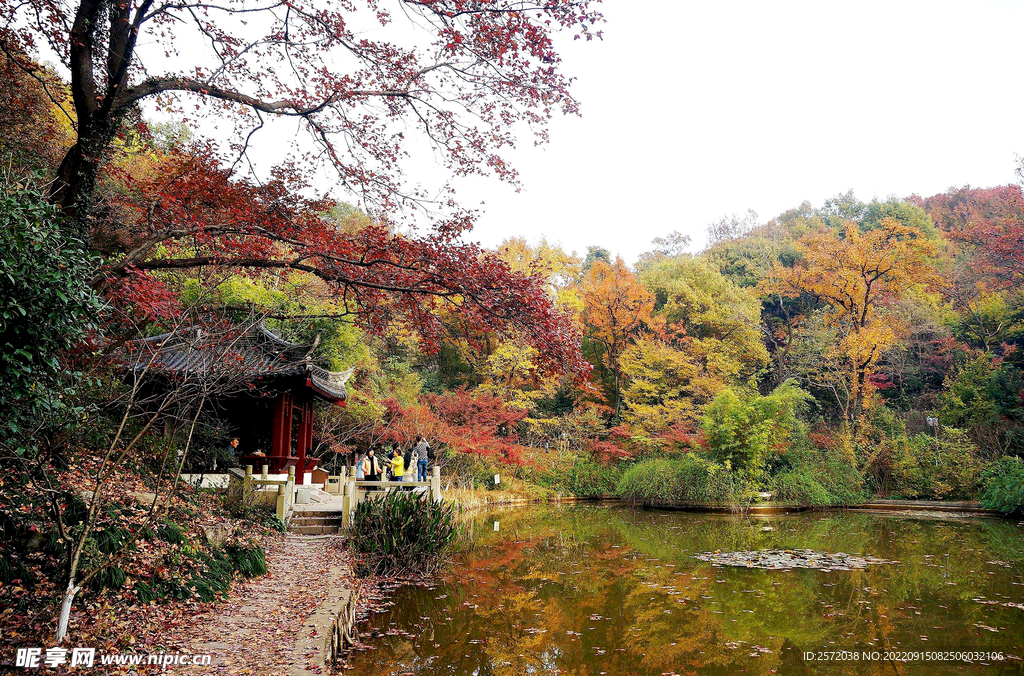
[(840, 476), (687, 480), (207, 573), (928, 467), (802, 487), (402, 532), (583, 478), (983, 397), (249, 561), (274, 521), (1002, 485), (591, 479), (741, 429), (47, 307), (170, 532)]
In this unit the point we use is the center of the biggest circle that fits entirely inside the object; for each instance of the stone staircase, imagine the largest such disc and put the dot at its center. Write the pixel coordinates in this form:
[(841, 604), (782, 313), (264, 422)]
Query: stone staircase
[(314, 522), (318, 495)]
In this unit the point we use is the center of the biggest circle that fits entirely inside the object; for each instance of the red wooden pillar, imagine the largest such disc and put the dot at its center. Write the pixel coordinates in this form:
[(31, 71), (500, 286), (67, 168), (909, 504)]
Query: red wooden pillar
[(281, 431), (305, 437)]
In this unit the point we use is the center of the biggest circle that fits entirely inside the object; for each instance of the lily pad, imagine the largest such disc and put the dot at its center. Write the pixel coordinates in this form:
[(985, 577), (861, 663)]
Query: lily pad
[(787, 559)]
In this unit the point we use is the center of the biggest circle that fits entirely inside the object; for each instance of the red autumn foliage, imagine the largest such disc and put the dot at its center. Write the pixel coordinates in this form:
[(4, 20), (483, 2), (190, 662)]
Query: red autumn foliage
[(465, 422), (679, 436), (367, 80), (881, 381), (989, 219), (199, 217), (608, 450), (370, 83), (822, 439), (615, 446)]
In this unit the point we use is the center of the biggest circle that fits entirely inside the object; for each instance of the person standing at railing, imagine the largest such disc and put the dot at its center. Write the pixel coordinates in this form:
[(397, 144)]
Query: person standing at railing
[(371, 466), (358, 466), (421, 455), (410, 468), (397, 465)]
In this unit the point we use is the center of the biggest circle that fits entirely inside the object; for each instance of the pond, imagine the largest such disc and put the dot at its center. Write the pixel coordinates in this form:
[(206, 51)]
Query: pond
[(603, 589)]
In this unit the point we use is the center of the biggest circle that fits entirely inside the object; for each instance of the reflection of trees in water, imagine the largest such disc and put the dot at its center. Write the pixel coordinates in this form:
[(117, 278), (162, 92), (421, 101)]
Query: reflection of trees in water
[(626, 582)]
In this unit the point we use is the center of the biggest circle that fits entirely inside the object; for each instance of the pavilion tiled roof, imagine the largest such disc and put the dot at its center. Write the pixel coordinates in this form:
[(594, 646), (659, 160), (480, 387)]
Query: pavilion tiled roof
[(257, 354)]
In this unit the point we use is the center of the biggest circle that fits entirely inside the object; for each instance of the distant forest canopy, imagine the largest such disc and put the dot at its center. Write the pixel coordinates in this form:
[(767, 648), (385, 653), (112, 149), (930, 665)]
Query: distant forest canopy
[(877, 341)]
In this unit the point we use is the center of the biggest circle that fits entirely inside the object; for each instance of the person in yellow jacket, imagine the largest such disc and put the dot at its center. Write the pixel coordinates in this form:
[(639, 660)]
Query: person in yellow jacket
[(397, 465)]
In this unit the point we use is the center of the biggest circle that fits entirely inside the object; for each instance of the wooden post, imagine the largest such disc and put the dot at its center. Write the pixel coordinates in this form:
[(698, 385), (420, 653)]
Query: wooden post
[(282, 491), (435, 483), (305, 438), (281, 430), (290, 486), (348, 502)]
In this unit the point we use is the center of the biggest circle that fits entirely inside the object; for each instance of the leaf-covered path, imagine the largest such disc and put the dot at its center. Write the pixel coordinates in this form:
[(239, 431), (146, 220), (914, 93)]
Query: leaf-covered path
[(255, 632)]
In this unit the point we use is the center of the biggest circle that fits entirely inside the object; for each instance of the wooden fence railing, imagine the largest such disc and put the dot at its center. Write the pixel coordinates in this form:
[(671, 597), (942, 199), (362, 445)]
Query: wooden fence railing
[(282, 489), (351, 491)]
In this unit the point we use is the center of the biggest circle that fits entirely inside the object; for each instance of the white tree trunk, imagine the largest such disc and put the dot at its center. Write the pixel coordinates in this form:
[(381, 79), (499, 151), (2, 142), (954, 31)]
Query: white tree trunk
[(65, 611)]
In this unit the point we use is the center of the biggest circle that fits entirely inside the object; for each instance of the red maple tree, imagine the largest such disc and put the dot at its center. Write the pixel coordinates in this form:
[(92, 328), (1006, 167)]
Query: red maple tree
[(366, 80), (200, 217), (362, 78)]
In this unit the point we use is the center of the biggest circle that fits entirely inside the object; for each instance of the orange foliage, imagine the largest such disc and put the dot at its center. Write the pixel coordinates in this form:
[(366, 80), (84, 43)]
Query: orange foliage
[(855, 274), (615, 307)]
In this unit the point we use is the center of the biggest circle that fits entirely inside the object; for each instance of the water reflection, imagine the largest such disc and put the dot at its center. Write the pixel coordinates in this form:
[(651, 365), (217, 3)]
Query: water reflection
[(608, 590)]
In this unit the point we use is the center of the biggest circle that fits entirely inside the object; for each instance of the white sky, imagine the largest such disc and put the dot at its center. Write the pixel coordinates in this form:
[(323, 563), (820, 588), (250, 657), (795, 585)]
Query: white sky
[(696, 110)]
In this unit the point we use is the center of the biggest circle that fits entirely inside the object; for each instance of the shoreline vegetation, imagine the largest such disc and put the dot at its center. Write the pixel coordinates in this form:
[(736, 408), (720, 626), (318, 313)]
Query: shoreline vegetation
[(690, 485), (470, 502)]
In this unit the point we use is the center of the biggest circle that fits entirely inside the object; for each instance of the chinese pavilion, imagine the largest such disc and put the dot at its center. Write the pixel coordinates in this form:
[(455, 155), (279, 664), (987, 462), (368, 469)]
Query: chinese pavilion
[(271, 409)]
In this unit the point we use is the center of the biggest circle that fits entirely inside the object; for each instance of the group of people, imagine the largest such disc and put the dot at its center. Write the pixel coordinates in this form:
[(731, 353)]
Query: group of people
[(391, 463)]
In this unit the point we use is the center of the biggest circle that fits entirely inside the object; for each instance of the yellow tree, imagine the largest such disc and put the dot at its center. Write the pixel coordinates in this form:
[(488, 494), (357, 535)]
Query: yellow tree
[(615, 307), (548, 260), (717, 321), (507, 366), (511, 372), (665, 386), (856, 274)]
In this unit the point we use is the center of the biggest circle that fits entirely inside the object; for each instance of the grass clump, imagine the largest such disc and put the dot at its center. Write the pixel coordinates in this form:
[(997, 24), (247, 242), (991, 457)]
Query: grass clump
[(801, 487), (686, 480), (583, 477), (1002, 486), (402, 532), (207, 575)]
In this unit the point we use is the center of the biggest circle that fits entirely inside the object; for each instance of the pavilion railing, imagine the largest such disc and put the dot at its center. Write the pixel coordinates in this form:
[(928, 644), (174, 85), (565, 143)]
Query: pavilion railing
[(354, 491), (281, 489), (351, 490)]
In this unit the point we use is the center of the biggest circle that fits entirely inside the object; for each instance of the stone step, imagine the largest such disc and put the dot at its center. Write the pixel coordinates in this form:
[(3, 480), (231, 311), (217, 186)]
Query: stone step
[(316, 513), (302, 519), (316, 491), (314, 530)]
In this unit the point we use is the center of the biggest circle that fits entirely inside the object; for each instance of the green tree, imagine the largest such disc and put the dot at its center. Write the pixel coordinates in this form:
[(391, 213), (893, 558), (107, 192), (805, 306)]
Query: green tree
[(910, 215), (594, 254), (720, 319), (983, 397), (47, 309), (743, 428)]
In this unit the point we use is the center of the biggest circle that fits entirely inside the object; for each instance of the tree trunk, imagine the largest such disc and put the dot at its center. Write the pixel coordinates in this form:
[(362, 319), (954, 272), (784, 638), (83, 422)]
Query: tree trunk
[(72, 190), (858, 401), (76, 177), (64, 619)]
